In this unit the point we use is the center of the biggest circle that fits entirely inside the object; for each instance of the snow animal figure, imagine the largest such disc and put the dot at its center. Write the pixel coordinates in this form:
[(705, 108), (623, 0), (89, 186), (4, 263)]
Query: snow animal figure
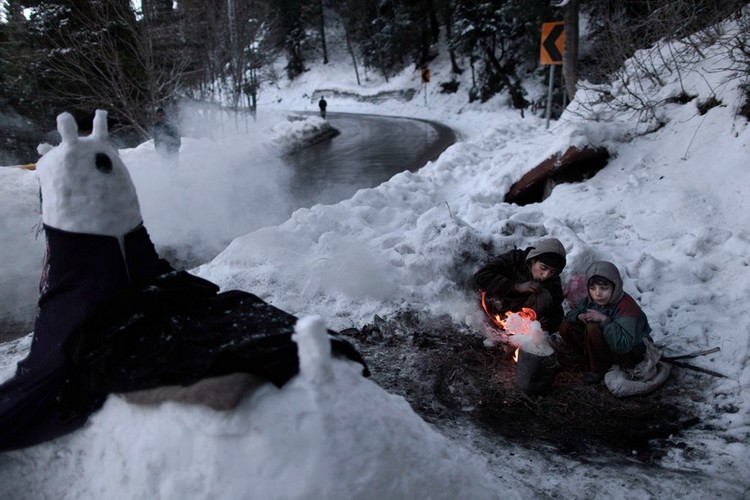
[(85, 185), (113, 316)]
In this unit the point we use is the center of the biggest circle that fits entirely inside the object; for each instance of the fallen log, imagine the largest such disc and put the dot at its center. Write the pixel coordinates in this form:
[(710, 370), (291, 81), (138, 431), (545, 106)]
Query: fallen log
[(572, 165)]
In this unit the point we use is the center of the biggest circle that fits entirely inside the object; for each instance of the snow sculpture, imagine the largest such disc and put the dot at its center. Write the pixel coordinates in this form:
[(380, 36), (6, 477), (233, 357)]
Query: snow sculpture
[(116, 318), (314, 349), (74, 198)]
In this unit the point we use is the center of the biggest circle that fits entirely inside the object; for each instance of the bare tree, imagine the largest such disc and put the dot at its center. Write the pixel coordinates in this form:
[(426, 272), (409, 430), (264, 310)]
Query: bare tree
[(203, 33), (237, 59), (255, 38), (628, 55), (106, 60)]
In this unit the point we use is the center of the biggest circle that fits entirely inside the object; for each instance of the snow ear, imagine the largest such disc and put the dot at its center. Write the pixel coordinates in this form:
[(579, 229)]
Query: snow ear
[(100, 125), (68, 128)]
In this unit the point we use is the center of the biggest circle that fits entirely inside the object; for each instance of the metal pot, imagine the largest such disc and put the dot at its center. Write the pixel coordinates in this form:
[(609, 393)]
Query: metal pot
[(535, 374)]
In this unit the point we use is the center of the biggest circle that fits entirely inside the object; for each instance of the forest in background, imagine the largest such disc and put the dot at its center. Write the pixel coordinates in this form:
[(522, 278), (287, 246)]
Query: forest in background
[(80, 55)]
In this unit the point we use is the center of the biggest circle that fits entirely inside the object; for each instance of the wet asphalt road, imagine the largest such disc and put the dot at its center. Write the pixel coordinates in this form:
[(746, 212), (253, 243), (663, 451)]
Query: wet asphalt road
[(369, 150)]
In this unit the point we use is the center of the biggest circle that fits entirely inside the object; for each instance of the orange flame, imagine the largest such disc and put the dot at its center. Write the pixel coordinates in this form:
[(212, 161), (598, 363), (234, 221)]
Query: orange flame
[(525, 313)]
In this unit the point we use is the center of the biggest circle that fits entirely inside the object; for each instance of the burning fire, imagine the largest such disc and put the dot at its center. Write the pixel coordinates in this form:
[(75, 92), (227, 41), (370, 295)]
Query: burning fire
[(519, 324), (525, 313)]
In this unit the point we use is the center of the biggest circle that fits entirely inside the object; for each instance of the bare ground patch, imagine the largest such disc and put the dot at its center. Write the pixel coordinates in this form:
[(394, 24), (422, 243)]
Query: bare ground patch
[(448, 375)]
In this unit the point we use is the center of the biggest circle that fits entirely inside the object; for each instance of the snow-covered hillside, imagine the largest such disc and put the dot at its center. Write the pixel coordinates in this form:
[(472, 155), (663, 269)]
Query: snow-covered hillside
[(670, 209)]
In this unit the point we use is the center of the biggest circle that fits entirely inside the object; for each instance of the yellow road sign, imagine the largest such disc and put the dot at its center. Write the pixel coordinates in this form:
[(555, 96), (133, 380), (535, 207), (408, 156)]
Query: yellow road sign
[(553, 43)]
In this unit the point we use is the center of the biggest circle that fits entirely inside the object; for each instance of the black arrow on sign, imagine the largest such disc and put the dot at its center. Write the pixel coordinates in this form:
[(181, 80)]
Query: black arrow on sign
[(549, 42)]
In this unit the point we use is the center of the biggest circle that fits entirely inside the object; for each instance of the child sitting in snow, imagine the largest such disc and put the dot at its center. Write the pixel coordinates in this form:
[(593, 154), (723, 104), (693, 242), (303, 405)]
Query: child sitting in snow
[(607, 327), (525, 278)]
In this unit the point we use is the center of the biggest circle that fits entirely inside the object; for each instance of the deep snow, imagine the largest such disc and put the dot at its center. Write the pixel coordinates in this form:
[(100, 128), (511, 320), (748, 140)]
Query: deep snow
[(670, 209)]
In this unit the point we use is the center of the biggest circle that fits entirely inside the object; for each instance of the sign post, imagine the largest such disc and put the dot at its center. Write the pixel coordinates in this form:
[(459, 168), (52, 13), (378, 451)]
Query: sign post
[(425, 81), (550, 53)]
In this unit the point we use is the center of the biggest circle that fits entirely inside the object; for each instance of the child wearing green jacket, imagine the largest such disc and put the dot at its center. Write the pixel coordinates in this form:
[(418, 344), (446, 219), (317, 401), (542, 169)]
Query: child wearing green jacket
[(607, 327)]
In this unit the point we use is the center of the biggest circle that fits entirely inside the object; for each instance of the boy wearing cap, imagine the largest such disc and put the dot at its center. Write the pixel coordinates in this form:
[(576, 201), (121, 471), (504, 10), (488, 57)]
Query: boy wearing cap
[(525, 278), (607, 327)]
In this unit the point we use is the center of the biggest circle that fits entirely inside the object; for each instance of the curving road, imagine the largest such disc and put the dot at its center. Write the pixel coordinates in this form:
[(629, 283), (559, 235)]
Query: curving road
[(370, 150)]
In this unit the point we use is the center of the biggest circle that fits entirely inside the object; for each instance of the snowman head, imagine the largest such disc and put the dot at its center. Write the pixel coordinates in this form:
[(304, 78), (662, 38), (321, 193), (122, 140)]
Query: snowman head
[(86, 187)]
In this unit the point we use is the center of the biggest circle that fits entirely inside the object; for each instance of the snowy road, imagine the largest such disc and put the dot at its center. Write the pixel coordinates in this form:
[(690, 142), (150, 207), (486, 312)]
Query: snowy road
[(370, 150)]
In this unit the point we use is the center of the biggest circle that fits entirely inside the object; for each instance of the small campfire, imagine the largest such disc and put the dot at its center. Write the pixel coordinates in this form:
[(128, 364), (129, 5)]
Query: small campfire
[(535, 358), (449, 376)]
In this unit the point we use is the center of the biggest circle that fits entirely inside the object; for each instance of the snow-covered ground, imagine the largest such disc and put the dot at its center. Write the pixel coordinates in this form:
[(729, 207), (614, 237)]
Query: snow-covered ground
[(670, 209)]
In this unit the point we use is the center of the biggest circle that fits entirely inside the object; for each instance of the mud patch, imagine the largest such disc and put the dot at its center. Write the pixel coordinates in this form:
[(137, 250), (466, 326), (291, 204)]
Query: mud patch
[(448, 375)]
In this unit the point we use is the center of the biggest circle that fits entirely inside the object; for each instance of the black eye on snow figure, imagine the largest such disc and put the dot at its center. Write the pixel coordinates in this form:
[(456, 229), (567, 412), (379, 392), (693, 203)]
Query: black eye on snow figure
[(103, 163)]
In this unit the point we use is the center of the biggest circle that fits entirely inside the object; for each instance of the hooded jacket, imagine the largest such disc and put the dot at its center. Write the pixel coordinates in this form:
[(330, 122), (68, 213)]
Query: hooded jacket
[(166, 138), (550, 245), (502, 273), (626, 325)]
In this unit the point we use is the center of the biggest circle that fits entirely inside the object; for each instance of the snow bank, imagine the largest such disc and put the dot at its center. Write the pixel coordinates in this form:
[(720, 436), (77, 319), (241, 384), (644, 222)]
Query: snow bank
[(328, 433)]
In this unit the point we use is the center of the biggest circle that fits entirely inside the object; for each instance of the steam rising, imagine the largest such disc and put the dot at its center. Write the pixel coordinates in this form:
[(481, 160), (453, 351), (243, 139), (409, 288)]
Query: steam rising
[(229, 181), (528, 335)]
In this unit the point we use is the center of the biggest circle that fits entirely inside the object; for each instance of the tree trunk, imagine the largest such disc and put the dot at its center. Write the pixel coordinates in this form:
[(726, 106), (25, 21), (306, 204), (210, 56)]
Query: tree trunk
[(434, 24), (234, 47), (351, 53), (570, 55), (448, 20), (323, 33)]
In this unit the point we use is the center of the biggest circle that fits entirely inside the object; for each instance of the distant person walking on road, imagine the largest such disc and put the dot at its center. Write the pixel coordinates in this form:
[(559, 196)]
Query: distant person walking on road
[(166, 137), (322, 104)]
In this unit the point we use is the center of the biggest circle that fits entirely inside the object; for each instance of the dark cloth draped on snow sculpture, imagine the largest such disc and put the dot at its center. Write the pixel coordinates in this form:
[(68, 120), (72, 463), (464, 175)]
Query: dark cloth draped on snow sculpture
[(110, 323), (179, 331), (113, 316), (83, 271)]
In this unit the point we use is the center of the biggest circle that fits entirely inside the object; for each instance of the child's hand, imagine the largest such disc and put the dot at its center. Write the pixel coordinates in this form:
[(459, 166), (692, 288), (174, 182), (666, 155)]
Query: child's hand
[(592, 316)]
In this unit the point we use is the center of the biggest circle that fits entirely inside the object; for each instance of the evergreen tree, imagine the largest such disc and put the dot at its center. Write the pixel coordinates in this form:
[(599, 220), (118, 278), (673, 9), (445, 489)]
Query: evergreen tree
[(391, 36), (501, 40), (17, 80), (292, 29), (87, 56), (77, 55)]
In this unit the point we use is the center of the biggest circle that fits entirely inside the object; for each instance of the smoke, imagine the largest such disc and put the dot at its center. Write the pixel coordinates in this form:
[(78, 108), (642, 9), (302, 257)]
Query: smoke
[(19, 137), (528, 335), (21, 253), (227, 182)]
